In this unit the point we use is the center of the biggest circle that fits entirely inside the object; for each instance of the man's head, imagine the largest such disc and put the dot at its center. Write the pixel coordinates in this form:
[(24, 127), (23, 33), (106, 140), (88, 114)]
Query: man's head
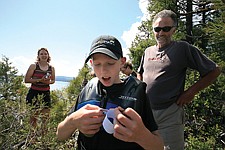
[(164, 26), (106, 58), (127, 68), (165, 14)]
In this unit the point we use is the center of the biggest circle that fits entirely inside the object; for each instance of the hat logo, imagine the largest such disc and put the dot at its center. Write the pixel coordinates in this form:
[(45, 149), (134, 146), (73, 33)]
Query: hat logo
[(102, 41)]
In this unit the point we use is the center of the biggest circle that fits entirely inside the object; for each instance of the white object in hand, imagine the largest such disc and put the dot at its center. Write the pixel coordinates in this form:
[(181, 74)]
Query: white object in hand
[(47, 75), (107, 124)]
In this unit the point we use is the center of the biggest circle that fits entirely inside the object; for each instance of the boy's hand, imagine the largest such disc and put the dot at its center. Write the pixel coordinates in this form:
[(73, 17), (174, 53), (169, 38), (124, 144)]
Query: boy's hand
[(89, 119), (128, 125)]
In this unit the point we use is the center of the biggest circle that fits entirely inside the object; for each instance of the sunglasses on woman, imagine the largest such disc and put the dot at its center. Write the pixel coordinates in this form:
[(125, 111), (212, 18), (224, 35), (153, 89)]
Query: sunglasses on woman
[(164, 29)]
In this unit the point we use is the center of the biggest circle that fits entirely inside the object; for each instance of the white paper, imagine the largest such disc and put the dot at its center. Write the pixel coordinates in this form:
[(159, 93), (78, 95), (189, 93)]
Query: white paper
[(107, 124)]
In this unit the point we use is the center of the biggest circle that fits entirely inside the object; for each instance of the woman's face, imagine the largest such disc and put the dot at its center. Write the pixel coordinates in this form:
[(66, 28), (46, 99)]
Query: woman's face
[(43, 55)]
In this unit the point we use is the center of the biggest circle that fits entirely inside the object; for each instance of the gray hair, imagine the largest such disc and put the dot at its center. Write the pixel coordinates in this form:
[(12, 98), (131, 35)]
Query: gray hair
[(166, 13)]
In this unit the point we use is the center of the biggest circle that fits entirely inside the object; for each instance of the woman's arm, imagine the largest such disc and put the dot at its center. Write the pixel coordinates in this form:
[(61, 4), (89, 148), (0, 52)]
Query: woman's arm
[(52, 81), (28, 76)]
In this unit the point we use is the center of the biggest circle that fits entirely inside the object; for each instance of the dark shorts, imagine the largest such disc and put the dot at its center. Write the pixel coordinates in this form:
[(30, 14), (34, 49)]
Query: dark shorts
[(36, 98)]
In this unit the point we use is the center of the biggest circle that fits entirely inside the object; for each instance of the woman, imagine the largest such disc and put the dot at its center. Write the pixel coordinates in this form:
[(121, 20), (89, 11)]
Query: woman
[(40, 74)]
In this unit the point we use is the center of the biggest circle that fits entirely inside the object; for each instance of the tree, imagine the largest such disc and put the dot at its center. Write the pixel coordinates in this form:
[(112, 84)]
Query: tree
[(78, 83), (15, 129), (10, 82)]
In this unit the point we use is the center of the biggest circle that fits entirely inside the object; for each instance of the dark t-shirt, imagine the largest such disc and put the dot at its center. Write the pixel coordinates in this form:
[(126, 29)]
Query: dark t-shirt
[(164, 71), (131, 94), (134, 74)]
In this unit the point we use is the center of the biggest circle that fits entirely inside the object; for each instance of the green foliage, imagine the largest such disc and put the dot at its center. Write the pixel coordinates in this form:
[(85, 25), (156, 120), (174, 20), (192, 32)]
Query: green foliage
[(15, 129), (205, 116), (9, 81), (78, 83), (200, 143), (12, 128), (137, 50), (16, 132), (61, 103)]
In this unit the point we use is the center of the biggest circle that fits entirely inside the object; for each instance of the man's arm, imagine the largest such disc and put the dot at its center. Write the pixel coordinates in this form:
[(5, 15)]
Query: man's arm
[(188, 95), (141, 69), (139, 76)]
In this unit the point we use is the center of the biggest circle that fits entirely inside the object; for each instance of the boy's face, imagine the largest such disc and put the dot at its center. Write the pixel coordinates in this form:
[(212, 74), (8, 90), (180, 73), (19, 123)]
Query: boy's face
[(125, 70), (107, 69)]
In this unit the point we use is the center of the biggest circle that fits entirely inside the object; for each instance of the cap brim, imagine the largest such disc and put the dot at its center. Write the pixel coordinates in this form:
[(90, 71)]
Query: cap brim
[(103, 51)]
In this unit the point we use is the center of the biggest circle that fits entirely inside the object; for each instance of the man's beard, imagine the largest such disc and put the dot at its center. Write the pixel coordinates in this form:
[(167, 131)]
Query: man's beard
[(162, 40)]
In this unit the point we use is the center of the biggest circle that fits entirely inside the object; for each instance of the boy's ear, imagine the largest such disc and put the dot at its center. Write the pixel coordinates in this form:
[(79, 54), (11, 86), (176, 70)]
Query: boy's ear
[(91, 61)]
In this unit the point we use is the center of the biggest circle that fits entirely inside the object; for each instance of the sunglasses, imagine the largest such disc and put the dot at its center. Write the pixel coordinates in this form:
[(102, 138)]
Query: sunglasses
[(164, 29)]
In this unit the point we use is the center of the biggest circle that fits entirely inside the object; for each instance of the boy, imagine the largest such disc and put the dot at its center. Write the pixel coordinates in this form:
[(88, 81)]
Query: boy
[(127, 69), (133, 126)]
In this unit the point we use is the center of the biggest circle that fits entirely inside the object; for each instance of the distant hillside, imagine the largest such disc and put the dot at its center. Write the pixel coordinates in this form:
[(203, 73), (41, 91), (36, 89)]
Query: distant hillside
[(63, 78)]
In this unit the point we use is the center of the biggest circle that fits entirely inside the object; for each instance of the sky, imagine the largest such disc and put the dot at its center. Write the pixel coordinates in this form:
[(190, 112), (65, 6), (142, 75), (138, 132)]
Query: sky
[(66, 28)]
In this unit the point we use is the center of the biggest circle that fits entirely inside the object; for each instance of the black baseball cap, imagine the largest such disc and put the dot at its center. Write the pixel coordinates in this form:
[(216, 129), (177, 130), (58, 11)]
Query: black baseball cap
[(107, 45)]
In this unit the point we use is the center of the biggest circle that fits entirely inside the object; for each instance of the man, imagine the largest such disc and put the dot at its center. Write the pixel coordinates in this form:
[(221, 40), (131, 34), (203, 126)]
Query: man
[(163, 67), (127, 69)]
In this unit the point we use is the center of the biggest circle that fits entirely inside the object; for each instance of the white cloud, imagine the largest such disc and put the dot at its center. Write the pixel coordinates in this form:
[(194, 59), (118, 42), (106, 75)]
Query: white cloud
[(22, 63), (129, 36), (143, 6)]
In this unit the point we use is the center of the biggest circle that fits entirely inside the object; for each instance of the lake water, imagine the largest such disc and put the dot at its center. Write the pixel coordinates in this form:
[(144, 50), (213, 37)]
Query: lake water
[(59, 85)]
